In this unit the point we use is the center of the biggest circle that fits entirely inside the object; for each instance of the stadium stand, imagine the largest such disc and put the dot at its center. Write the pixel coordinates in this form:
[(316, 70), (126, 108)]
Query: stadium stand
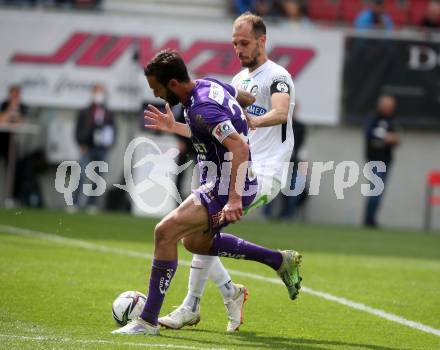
[(417, 10), (334, 12), (324, 10), (349, 9), (398, 10), (195, 8)]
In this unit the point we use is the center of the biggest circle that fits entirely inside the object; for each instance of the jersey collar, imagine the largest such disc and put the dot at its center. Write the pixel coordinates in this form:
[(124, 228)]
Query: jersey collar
[(259, 69)]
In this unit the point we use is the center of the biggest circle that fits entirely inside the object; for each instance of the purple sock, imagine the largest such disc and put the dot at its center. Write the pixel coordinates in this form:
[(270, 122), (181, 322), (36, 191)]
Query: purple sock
[(162, 272), (231, 246)]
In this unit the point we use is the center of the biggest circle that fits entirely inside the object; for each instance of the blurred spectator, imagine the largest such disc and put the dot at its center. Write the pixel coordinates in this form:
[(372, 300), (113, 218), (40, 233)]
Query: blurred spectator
[(12, 111), (81, 4), (374, 17), (26, 188), (242, 6), (295, 13), (259, 7), (262, 7), (381, 139), (431, 19), (95, 134)]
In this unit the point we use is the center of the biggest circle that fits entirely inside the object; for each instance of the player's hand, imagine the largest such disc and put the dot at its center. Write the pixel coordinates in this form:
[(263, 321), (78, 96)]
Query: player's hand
[(250, 121), (391, 138), (232, 211), (156, 120)]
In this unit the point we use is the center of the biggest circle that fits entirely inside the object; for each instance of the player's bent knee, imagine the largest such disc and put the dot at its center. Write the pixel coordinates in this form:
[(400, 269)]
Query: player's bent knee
[(162, 233)]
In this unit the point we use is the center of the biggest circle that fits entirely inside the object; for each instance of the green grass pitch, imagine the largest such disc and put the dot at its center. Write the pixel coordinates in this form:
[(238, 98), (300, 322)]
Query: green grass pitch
[(56, 293)]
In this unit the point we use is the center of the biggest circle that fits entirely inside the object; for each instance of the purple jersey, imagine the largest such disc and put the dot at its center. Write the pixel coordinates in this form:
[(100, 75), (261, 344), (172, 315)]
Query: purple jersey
[(212, 114)]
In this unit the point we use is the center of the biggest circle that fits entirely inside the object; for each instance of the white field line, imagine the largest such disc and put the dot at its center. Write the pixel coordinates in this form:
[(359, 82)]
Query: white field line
[(107, 342), (352, 304)]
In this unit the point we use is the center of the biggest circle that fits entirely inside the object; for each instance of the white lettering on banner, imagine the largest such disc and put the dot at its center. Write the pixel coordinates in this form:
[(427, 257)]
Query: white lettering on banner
[(423, 58)]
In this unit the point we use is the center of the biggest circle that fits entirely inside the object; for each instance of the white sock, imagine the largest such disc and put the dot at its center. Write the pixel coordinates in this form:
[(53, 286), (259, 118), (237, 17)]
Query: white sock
[(220, 276), (198, 275)]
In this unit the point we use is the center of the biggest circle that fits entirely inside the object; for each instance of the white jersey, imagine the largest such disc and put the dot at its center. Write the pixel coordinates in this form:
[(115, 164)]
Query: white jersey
[(270, 146)]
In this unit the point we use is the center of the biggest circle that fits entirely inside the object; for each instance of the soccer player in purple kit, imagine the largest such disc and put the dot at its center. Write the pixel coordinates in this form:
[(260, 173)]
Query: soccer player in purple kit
[(217, 126)]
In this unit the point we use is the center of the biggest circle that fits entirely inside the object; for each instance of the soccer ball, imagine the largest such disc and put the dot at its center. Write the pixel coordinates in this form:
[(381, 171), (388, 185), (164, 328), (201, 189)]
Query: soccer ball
[(128, 305)]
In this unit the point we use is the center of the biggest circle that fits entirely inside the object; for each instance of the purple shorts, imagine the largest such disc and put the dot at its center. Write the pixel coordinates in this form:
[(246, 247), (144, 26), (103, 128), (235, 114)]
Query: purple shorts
[(214, 203)]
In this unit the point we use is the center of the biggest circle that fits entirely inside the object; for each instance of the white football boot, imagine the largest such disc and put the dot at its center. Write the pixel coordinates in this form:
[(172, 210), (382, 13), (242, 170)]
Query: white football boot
[(234, 308), (138, 326), (179, 318)]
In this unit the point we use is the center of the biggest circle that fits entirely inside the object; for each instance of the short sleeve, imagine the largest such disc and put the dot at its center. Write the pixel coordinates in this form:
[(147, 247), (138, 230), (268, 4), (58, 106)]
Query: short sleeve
[(280, 83), (228, 87), (222, 130), (231, 89)]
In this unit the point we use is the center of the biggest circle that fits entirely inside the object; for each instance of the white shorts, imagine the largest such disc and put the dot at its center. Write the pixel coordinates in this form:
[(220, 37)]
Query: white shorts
[(268, 188)]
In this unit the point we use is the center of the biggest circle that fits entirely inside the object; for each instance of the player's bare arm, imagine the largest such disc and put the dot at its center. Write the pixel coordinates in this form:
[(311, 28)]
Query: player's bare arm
[(166, 122), (244, 98), (277, 115), (233, 210)]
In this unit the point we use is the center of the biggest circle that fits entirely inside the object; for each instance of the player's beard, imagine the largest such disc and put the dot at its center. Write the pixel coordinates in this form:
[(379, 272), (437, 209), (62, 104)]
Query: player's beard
[(254, 60), (172, 98)]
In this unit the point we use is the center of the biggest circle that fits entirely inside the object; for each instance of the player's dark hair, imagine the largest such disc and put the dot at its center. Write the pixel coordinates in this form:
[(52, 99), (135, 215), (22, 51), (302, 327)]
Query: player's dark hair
[(257, 23), (166, 65)]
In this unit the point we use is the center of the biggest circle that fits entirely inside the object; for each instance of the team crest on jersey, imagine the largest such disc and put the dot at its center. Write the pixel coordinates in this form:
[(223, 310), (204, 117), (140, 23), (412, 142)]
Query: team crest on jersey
[(254, 90)]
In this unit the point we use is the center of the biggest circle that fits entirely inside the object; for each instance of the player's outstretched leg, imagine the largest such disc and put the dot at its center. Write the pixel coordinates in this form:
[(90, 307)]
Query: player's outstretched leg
[(234, 295), (285, 263)]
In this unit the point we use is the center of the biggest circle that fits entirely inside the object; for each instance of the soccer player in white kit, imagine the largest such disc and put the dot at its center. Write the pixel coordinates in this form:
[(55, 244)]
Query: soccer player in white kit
[(271, 144)]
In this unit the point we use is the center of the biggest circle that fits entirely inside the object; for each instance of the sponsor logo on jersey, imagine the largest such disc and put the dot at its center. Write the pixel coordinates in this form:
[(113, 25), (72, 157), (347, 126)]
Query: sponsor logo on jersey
[(254, 90), (256, 110)]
